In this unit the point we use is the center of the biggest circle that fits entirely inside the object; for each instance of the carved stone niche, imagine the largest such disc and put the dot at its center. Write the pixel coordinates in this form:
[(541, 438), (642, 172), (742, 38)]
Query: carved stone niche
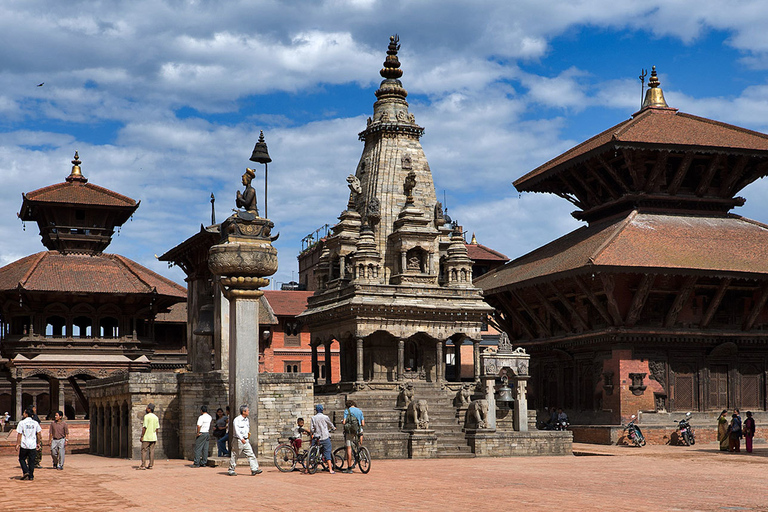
[(660, 402), (637, 387), (608, 383)]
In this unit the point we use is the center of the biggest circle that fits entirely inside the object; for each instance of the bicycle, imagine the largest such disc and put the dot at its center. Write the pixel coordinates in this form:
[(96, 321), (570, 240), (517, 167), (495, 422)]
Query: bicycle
[(360, 455), (286, 457)]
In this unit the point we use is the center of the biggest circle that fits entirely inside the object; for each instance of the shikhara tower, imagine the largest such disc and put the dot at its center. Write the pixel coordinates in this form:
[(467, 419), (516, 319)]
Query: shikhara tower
[(394, 279)]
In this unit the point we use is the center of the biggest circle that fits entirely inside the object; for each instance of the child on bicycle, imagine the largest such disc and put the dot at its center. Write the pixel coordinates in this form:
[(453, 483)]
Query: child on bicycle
[(298, 431)]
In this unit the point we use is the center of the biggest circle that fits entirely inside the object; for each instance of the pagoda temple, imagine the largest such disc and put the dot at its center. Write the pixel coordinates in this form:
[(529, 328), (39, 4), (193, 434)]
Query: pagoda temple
[(659, 302), (74, 313)]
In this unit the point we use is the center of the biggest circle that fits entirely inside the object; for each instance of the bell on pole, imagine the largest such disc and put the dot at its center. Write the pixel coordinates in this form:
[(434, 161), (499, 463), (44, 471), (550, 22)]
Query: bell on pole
[(260, 153)]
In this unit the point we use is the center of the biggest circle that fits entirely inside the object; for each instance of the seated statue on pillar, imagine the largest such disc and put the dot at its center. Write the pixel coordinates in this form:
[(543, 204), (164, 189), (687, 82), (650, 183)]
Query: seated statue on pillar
[(247, 198)]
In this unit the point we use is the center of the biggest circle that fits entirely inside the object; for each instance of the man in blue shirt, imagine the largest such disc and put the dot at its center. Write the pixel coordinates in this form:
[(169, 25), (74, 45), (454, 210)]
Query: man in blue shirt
[(353, 427)]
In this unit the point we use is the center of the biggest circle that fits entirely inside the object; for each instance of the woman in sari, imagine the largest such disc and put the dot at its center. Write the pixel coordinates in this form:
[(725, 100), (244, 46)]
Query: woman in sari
[(722, 431)]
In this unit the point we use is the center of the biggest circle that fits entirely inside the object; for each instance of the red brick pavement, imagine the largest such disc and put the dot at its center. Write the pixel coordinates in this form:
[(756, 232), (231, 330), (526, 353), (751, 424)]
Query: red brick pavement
[(633, 479)]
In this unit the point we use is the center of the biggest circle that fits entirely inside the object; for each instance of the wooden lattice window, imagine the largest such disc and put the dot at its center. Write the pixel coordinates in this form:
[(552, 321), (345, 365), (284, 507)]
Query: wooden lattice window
[(684, 389)]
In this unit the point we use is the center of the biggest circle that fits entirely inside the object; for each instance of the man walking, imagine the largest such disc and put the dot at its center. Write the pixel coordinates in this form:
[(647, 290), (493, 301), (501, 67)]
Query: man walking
[(240, 435), (39, 454), (320, 426), (57, 436), (149, 437), (28, 439), (353, 429), (203, 438)]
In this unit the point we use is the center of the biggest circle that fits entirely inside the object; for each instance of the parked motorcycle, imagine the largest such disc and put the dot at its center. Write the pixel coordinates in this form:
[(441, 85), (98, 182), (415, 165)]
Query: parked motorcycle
[(634, 433), (562, 424), (685, 430)]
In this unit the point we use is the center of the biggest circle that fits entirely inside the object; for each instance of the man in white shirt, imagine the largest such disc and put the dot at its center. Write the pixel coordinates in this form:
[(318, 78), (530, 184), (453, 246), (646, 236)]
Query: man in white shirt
[(203, 438), (240, 434), (28, 439)]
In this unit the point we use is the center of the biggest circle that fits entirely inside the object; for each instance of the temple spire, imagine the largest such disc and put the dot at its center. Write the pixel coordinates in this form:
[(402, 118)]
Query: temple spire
[(76, 174), (391, 67), (654, 96)]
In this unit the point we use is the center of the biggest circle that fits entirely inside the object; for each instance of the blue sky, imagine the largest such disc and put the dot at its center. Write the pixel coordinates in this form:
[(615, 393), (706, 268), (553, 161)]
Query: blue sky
[(164, 100)]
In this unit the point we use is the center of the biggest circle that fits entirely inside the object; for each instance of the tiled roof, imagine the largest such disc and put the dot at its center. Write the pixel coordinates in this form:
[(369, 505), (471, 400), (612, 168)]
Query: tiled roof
[(666, 127), (479, 252), (287, 303), (177, 314), (73, 273), (75, 192), (645, 241)]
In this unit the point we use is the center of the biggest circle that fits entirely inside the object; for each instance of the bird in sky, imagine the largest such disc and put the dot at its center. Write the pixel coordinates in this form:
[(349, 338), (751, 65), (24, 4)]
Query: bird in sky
[(40, 84)]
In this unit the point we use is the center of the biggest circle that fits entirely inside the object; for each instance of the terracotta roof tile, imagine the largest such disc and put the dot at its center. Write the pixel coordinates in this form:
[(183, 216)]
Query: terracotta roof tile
[(287, 303), (645, 241), (666, 127), (177, 314), (76, 192), (73, 273), (479, 252)]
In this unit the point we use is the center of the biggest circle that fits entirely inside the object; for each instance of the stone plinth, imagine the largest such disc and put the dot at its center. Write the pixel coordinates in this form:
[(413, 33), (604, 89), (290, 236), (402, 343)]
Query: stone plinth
[(422, 444), (508, 444)]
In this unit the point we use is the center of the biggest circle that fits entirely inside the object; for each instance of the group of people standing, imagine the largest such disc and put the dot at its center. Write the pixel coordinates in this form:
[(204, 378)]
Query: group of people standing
[(730, 432)]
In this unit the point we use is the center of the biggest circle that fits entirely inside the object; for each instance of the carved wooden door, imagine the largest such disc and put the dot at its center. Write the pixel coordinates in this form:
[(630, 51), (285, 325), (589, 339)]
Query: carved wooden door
[(718, 387), (750, 388)]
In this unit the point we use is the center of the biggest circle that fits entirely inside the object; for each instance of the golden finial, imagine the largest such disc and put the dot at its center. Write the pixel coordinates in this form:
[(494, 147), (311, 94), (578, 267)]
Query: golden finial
[(76, 174), (654, 96), (474, 239)]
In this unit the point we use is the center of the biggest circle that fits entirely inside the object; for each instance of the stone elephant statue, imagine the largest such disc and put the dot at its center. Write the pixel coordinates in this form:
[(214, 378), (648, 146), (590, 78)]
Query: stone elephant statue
[(477, 414), (417, 414)]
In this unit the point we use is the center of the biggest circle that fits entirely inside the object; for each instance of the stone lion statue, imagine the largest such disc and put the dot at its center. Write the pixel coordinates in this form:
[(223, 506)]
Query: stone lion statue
[(477, 414), (417, 414), (463, 396), (354, 184), (405, 397)]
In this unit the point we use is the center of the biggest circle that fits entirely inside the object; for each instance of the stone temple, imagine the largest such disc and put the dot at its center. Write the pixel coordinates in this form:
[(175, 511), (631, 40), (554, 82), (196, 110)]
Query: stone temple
[(394, 286)]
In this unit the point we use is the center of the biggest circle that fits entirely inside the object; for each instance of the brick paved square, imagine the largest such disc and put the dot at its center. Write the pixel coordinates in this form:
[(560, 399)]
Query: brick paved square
[(654, 478)]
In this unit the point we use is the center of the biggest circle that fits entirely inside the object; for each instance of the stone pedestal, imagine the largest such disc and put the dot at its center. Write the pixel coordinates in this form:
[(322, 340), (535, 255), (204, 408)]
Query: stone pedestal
[(422, 444), (521, 404)]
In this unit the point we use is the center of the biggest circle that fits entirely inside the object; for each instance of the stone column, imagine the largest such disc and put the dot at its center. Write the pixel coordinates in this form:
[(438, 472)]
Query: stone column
[(62, 404), (328, 374), (244, 360), (240, 263), (400, 359), (476, 359), (457, 343), (93, 427), (220, 330), (16, 392), (403, 263), (521, 404), (315, 364), (359, 360), (440, 362), (115, 434), (490, 395), (123, 430)]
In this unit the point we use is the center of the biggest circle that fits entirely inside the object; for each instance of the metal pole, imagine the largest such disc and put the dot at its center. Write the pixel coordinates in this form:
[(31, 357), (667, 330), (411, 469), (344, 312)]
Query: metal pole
[(266, 174)]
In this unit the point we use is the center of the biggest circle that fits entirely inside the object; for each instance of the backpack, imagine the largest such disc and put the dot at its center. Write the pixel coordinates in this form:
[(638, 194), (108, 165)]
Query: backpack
[(352, 426), (736, 426)]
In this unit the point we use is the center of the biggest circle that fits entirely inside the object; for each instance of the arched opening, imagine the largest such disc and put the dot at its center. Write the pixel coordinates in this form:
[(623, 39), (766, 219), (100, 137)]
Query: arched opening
[(55, 326), (82, 327), (108, 327), (20, 325), (412, 356)]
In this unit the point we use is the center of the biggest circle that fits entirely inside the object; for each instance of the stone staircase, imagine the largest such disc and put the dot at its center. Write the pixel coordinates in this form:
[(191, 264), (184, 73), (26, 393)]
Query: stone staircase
[(382, 419)]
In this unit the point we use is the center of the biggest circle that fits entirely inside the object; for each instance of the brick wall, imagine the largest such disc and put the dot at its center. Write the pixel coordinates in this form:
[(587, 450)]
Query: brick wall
[(507, 444), (196, 390)]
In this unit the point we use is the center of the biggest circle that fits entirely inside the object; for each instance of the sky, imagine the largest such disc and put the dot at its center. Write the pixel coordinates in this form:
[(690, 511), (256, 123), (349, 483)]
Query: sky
[(164, 100)]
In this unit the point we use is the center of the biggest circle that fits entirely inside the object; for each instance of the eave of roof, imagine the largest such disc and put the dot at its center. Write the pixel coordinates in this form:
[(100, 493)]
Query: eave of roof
[(659, 127), (644, 242)]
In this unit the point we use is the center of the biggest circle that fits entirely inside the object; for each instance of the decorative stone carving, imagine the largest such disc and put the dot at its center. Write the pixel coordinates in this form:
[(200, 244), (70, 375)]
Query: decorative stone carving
[(354, 184), (658, 373), (463, 396), (368, 121), (477, 414), (401, 115), (405, 397), (411, 118), (417, 415), (439, 217), (384, 117), (406, 162), (373, 211), (409, 185), (637, 387)]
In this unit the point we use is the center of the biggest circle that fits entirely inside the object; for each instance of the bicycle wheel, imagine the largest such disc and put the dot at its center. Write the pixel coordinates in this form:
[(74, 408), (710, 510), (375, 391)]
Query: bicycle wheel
[(364, 459), (285, 458), (313, 459), (340, 458)]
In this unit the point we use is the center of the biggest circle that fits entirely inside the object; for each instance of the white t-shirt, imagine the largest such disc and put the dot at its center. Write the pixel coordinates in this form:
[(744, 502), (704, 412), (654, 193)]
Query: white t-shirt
[(204, 422), (28, 428)]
